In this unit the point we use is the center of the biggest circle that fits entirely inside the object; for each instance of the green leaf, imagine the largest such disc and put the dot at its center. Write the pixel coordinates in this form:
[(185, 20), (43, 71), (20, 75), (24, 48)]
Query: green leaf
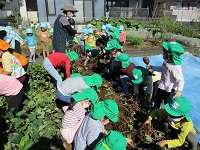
[(23, 140), (19, 123), (15, 138), (148, 139), (13, 120), (130, 126), (9, 114), (31, 117), (28, 144), (20, 113)]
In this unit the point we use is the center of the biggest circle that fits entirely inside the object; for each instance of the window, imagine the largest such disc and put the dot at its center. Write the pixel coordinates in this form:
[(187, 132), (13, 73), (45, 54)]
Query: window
[(162, 5), (116, 3), (31, 5), (183, 4), (51, 10)]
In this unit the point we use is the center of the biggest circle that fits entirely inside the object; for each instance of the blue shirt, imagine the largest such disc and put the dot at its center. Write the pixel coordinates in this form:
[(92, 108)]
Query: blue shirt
[(31, 40)]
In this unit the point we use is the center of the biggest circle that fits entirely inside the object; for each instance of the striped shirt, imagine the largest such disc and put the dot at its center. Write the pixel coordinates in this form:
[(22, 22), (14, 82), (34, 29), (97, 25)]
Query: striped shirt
[(72, 117)]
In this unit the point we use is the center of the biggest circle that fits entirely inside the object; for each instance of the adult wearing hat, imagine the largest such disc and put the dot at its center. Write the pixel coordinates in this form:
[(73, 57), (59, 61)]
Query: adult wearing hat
[(92, 127), (176, 124), (62, 29), (172, 81), (77, 83), (76, 112), (55, 60), (114, 140)]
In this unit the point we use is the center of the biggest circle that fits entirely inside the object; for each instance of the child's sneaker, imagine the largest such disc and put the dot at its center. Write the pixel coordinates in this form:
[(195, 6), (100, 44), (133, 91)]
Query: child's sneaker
[(30, 60)]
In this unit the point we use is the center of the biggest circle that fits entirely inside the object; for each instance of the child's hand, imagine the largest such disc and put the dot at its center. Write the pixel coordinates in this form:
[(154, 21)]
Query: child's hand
[(130, 142), (148, 122), (178, 94), (105, 132), (162, 143)]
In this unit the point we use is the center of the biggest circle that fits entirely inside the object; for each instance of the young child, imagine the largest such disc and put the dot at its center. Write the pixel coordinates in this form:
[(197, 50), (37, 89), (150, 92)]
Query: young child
[(122, 35), (32, 45), (76, 112), (90, 39), (172, 81), (80, 42), (92, 128), (13, 91), (57, 59), (176, 124), (10, 64), (90, 52), (75, 84), (114, 140), (44, 37)]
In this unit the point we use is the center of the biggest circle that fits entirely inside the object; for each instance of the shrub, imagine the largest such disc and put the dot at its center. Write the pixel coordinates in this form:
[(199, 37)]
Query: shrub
[(134, 40)]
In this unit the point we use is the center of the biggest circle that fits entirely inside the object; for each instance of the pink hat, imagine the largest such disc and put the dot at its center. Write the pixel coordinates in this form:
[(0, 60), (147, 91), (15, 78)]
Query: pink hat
[(69, 7)]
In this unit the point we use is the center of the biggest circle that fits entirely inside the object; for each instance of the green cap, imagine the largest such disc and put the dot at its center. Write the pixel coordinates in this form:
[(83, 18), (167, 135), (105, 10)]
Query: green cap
[(138, 74), (113, 44), (114, 30), (124, 59), (107, 108), (179, 107), (114, 140), (73, 56), (175, 49), (93, 80), (88, 93), (73, 75), (115, 35), (88, 47)]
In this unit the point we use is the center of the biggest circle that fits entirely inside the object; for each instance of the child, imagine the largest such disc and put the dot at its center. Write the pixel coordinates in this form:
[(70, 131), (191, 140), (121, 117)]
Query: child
[(90, 52), (90, 39), (113, 49), (77, 84), (80, 42), (57, 59), (10, 64), (44, 37), (172, 81), (114, 140), (176, 123), (76, 112), (92, 128), (126, 67), (13, 91), (122, 35), (32, 45)]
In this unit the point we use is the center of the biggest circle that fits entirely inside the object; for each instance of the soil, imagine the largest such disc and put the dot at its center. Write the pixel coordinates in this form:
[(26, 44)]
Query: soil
[(132, 113)]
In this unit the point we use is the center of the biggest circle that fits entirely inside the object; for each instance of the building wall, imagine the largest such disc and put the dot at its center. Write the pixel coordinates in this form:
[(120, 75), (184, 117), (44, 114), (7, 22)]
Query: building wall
[(135, 3), (23, 10), (42, 12)]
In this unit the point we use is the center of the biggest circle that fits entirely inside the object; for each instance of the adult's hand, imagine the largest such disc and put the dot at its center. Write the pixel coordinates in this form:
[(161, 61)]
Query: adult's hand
[(162, 143)]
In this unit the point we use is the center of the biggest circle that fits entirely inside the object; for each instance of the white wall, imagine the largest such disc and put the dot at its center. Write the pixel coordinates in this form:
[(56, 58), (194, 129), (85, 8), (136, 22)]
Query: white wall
[(23, 10)]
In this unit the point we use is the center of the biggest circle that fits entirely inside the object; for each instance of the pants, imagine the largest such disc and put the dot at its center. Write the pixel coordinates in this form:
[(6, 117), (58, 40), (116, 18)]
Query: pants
[(125, 80), (45, 48), (162, 94), (14, 101), (173, 133), (17, 47), (62, 97), (52, 71)]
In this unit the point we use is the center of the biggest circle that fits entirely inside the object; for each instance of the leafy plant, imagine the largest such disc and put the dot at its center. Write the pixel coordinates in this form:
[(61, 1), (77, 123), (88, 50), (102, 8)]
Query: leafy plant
[(39, 116)]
